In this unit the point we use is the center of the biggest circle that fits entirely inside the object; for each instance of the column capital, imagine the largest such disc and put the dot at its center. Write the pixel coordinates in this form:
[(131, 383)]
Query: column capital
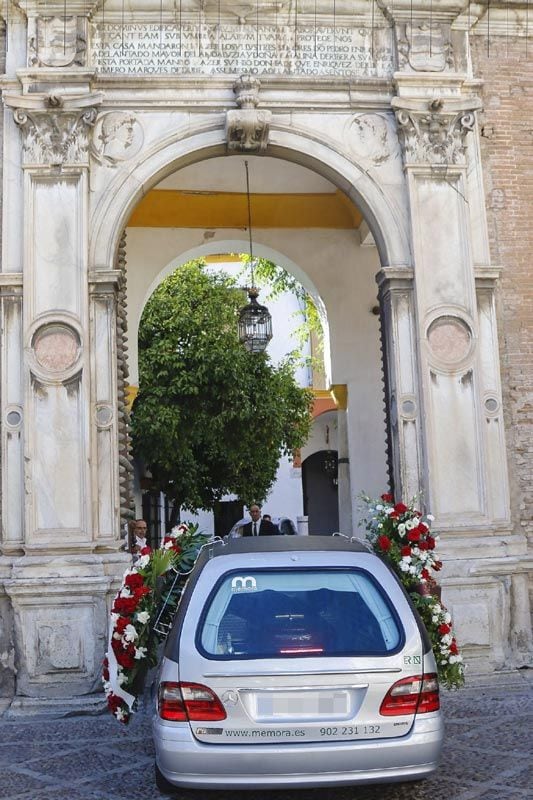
[(55, 127), (432, 131), (394, 277)]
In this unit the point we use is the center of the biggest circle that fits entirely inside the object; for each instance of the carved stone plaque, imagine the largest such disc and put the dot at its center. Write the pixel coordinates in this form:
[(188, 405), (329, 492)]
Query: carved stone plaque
[(56, 348), (449, 339), (233, 49)]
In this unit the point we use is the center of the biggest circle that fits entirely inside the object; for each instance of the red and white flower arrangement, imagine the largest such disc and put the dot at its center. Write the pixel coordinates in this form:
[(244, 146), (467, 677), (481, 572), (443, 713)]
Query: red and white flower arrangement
[(133, 642), (401, 534)]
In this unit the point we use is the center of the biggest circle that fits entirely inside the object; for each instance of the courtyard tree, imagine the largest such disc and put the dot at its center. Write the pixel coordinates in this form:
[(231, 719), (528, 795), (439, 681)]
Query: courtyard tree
[(210, 418)]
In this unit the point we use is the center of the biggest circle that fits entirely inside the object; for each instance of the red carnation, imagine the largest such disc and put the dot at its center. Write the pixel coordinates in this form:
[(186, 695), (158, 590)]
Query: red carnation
[(454, 650), (406, 551), (125, 605), (422, 527), (384, 543), (431, 542), (425, 574), (423, 545), (168, 540), (126, 657), (141, 592), (105, 669), (413, 536), (444, 629), (120, 624), (146, 551), (437, 565), (133, 580), (400, 508), (387, 498), (176, 548)]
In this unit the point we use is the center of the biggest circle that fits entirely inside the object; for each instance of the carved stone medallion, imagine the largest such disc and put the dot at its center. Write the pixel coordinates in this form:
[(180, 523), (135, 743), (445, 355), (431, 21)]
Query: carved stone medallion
[(117, 137), (247, 128)]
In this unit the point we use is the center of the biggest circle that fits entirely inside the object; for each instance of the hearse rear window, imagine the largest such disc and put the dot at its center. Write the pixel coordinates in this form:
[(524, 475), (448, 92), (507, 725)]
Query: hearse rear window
[(279, 613)]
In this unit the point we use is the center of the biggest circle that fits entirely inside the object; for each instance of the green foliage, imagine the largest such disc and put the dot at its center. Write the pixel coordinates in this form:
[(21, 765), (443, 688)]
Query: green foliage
[(210, 418)]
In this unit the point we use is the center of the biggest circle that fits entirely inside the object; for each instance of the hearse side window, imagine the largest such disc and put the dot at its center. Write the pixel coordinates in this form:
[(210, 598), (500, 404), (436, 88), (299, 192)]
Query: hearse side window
[(281, 613)]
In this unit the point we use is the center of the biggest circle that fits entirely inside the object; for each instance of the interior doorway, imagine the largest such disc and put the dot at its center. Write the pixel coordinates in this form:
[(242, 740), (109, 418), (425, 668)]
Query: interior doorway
[(321, 502)]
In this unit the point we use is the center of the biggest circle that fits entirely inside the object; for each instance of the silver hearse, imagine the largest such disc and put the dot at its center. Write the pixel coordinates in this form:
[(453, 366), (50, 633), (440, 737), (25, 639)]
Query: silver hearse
[(294, 662)]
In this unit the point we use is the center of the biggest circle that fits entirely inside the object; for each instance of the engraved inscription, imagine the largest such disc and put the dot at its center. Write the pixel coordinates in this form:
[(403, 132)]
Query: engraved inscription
[(211, 49)]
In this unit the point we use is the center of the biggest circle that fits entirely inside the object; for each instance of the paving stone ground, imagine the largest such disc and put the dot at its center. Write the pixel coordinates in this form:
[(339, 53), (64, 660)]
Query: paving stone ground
[(488, 755)]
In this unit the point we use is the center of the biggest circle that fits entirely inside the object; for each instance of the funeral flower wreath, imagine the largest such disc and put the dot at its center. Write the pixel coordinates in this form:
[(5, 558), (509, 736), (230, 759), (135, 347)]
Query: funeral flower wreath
[(401, 534), (141, 611)]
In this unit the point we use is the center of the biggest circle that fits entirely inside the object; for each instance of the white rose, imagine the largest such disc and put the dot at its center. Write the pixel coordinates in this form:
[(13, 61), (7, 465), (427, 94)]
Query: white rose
[(401, 529)]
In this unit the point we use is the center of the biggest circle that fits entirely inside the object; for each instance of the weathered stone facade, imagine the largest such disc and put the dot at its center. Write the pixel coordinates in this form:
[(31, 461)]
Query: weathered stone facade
[(391, 116)]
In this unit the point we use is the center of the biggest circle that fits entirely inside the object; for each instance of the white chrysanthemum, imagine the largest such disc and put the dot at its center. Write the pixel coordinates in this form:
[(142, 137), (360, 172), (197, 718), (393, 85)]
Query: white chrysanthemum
[(379, 507), (407, 559), (412, 570), (143, 561), (404, 566), (140, 652), (143, 617), (447, 617)]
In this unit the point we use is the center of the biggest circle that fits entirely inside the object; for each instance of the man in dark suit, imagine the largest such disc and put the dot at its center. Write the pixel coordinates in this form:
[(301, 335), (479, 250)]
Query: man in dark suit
[(258, 526)]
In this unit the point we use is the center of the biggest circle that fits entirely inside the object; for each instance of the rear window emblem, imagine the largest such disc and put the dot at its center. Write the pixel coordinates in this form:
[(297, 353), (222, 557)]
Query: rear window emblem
[(243, 584)]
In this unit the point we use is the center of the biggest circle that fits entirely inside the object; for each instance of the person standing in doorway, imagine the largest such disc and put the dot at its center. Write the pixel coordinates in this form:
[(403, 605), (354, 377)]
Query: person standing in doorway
[(258, 526)]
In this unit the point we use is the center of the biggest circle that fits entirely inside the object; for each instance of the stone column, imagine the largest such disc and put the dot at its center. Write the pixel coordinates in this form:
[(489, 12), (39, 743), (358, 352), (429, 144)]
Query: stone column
[(65, 410), (435, 111), (397, 303)]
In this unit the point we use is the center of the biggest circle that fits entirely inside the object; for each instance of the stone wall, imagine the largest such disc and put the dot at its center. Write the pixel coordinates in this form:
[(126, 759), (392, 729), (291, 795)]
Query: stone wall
[(507, 154)]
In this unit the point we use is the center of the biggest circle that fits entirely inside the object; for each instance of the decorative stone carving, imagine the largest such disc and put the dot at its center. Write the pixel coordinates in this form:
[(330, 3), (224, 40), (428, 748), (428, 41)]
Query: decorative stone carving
[(247, 128), (55, 138), (55, 127), (371, 139), (425, 48), (127, 506), (56, 41), (117, 136), (435, 132)]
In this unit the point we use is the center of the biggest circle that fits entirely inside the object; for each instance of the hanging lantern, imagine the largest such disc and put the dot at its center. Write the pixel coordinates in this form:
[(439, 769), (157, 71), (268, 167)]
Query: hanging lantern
[(255, 324)]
